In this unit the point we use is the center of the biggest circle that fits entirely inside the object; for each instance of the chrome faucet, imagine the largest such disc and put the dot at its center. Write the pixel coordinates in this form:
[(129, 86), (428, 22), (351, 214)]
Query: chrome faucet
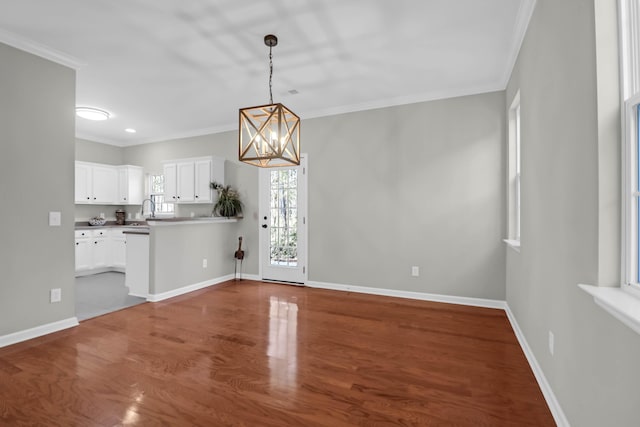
[(153, 208)]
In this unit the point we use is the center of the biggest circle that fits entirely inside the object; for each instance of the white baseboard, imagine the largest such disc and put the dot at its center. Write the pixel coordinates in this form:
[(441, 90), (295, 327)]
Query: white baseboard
[(38, 331), (250, 277), (554, 406), (189, 288), (547, 392), (556, 410), (81, 273), (476, 302)]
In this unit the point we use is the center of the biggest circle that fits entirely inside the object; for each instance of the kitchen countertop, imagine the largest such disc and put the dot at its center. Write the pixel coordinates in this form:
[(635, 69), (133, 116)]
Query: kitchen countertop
[(84, 225), (154, 222), (143, 226), (139, 230)]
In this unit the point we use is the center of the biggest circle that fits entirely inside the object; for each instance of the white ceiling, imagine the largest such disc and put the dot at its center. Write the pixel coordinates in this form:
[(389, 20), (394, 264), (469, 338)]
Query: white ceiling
[(180, 68)]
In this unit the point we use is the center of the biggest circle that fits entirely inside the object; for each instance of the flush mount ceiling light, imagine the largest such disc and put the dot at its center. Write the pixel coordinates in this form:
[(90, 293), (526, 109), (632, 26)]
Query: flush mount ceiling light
[(269, 135), (92, 113)]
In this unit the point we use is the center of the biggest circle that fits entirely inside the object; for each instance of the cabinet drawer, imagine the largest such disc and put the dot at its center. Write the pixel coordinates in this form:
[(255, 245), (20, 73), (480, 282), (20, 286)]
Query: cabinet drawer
[(83, 233), (102, 232), (117, 232)]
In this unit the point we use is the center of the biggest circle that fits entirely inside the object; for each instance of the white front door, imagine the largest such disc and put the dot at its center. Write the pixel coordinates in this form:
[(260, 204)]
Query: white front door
[(283, 223)]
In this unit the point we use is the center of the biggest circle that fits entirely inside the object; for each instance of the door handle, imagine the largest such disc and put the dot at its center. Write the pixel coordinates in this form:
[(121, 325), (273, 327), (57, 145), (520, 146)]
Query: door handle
[(264, 225)]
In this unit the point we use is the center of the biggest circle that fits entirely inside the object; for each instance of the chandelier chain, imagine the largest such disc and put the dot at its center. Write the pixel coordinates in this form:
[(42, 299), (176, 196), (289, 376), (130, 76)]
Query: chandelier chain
[(270, 75)]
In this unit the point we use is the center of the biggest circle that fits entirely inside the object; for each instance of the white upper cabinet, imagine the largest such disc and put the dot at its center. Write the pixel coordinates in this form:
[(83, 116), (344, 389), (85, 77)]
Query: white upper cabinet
[(105, 184), (187, 180), (202, 180), (95, 183), (130, 185), (170, 182), (108, 185), (83, 185)]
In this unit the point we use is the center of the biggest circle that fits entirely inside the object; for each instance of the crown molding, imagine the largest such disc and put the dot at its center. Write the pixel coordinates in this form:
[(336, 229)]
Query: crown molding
[(94, 138), (344, 109), (186, 134), (519, 31), (404, 100), (40, 50)]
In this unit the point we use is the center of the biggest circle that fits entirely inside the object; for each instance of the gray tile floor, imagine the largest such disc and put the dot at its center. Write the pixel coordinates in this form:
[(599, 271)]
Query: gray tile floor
[(102, 293)]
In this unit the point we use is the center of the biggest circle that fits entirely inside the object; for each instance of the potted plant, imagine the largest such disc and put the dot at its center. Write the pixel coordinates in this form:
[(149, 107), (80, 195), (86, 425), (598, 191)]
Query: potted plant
[(228, 203)]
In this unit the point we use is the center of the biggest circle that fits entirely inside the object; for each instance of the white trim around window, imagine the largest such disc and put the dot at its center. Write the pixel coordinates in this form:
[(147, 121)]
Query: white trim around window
[(631, 194), (514, 175)]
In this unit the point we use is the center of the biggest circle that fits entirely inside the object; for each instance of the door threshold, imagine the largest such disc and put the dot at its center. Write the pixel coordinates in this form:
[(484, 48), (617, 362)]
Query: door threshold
[(283, 282)]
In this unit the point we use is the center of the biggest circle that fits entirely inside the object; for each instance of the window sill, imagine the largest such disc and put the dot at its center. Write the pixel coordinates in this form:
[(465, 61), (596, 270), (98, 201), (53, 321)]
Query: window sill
[(513, 244), (621, 304)]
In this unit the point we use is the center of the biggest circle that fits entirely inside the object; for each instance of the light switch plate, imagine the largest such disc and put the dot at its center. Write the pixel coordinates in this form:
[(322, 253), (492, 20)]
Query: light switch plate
[(55, 219)]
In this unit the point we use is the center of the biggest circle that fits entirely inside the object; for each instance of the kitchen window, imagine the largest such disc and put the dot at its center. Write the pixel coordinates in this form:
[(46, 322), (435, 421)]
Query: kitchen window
[(156, 194)]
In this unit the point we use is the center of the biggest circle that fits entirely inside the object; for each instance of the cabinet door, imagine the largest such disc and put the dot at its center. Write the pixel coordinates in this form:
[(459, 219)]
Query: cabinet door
[(135, 185), (170, 182), (101, 252), (83, 254), (119, 252), (202, 181), (123, 185), (83, 183), (130, 185), (186, 182), (105, 184)]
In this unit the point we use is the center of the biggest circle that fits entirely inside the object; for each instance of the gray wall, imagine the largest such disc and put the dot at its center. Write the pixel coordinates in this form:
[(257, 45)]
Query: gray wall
[(36, 176), (177, 252), (391, 188), (419, 184), (96, 152), (569, 172)]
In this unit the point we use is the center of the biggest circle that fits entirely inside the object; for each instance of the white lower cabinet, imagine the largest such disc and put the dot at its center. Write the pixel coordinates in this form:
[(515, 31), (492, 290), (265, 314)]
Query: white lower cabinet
[(118, 248), (83, 254), (100, 250)]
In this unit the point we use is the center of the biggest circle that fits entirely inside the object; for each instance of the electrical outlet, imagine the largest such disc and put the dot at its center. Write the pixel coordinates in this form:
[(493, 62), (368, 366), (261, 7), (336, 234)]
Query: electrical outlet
[(55, 295), (551, 343), (204, 263), (415, 271)]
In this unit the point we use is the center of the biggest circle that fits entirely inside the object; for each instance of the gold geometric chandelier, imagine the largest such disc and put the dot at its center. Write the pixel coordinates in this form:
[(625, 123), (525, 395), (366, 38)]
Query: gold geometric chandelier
[(269, 135)]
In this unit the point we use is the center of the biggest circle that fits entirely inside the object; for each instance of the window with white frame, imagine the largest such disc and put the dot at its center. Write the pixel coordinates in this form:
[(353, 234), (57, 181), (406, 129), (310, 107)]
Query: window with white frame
[(629, 13), (514, 178), (156, 194)]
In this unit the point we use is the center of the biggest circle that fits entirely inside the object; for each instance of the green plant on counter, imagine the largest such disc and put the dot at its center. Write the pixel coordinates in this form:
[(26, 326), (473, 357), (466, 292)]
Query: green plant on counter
[(228, 203)]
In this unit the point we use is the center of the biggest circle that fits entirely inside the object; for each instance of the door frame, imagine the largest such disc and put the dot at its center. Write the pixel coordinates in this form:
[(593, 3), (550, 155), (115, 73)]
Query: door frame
[(302, 227)]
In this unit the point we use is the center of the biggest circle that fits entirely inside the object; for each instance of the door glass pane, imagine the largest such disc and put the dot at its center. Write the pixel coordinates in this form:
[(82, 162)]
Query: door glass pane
[(284, 217)]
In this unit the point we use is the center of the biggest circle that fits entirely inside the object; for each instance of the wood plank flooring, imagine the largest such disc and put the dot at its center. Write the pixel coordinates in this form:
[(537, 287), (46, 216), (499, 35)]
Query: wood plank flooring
[(257, 354)]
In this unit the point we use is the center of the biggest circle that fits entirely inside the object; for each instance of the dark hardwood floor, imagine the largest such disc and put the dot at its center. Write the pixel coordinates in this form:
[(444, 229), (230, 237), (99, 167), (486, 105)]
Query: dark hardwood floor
[(256, 354)]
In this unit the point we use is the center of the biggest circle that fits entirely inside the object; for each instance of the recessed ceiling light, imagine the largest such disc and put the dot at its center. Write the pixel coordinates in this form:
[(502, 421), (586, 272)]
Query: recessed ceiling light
[(92, 113), (130, 130)]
